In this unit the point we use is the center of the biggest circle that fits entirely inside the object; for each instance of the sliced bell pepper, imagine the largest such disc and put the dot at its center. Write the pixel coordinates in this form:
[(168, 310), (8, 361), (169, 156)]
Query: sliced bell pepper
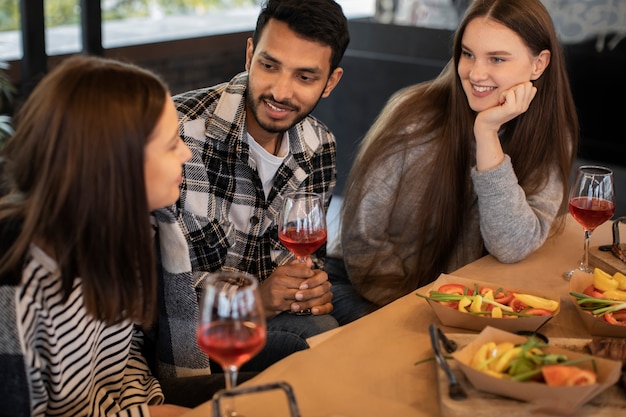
[(483, 355), (604, 281), (621, 280), (534, 311), (615, 319), (537, 302), (506, 355), (615, 295), (464, 302), (477, 304)]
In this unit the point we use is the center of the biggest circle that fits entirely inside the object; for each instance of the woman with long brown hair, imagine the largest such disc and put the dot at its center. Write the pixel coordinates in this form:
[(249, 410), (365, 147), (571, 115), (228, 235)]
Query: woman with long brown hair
[(96, 148), (476, 161)]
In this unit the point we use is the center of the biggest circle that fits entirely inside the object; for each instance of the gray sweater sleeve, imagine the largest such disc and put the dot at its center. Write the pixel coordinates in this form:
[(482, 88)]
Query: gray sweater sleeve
[(513, 225)]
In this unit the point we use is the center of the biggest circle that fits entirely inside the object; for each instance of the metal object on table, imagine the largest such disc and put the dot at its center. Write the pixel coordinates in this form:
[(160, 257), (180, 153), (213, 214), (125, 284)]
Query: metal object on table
[(616, 248), (254, 389), (437, 338)]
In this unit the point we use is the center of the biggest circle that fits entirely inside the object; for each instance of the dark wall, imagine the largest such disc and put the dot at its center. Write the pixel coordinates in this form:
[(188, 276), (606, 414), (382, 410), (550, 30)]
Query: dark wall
[(598, 82), (380, 60)]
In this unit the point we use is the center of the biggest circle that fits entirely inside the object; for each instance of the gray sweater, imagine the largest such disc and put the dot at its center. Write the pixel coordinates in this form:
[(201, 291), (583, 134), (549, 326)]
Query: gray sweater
[(502, 220)]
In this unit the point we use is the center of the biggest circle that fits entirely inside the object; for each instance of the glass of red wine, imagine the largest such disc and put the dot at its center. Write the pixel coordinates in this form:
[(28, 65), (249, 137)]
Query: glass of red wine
[(231, 322), (302, 224), (591, 203)]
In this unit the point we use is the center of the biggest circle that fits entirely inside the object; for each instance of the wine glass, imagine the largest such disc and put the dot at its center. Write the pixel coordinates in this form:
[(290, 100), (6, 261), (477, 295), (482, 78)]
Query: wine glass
[(302, 224), (591, 203), (231, 324)]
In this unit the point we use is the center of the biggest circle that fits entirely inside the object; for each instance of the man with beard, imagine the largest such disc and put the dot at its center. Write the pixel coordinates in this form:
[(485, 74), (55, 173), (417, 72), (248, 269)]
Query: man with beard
[(253, 142)]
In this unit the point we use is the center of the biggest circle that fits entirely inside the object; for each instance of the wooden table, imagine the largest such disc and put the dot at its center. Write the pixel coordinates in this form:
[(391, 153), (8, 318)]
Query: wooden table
[(366, 368)]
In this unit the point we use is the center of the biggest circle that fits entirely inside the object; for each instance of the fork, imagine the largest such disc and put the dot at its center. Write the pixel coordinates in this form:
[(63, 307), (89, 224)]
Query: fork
[(455, 390)]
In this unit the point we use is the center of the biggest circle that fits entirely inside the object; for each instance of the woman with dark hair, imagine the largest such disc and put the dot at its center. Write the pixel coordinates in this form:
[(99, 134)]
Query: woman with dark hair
[(96, 148), (476, 161)]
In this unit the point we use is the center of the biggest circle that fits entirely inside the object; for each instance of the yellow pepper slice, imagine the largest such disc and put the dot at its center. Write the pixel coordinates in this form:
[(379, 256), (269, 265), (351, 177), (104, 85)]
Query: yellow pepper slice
[(621, 280), (464, 302), (495, 374), (537, 302), (496, 313), (489, 295), (615, 295), (482, 355), (603, 281), (476, 304), (503, 361)]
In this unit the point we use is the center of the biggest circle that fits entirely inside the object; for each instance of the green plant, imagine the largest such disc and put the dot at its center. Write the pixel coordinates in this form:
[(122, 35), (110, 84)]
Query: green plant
[(7, 93)]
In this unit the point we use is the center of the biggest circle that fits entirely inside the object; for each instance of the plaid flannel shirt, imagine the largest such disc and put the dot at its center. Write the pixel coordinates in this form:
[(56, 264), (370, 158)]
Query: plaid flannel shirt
[(222, 219)]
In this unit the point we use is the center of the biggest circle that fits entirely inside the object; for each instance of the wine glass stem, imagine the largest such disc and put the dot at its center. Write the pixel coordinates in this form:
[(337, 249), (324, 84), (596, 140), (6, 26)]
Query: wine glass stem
[(584, 264), (231, 376), (230, 373)]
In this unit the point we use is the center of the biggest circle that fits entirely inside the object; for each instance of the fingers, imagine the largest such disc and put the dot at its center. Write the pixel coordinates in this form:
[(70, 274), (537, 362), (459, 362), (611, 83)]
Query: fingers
[(316, 279), (295, 287), (295, 269), (518, 98), (322, 309), (315, 296), (275, 295), (512, 103)]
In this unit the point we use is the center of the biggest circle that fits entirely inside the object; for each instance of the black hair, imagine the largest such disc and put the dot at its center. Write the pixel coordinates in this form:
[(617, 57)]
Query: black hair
[(318, 20)]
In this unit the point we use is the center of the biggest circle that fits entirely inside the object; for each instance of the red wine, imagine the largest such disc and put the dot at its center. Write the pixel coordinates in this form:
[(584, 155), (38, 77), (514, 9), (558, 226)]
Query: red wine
[(591, 212), (300, 242), (231, 342)]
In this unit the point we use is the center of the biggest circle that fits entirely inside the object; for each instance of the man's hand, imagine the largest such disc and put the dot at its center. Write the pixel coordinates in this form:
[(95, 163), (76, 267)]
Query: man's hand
[(296, 287)]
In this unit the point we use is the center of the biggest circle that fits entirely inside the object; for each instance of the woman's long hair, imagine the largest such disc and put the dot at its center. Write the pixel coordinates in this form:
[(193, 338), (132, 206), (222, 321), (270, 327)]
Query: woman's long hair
[(538, 140), (75, 170)]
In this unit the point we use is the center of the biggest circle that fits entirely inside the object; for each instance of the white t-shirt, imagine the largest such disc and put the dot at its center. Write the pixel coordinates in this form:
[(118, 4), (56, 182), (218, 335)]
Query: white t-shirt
[(267, 164)]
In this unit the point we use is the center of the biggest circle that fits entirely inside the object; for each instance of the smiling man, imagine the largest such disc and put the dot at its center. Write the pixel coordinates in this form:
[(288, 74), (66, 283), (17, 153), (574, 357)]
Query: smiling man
[(253, 142)]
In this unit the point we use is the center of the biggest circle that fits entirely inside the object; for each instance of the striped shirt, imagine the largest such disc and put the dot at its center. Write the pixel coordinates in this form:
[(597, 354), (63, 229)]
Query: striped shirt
[(75, 365)]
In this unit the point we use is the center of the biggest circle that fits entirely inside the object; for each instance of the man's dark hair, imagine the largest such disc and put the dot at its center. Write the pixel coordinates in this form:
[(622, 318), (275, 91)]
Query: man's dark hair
[(322, 21)]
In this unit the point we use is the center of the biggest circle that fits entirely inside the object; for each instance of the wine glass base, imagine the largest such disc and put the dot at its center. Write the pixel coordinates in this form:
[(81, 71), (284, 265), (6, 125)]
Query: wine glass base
[(567, 275), (305, 312)]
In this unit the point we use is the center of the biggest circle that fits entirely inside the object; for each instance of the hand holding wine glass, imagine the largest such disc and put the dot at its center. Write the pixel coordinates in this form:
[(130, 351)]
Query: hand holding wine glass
[(302, 224), (231, 324), (591, 203)]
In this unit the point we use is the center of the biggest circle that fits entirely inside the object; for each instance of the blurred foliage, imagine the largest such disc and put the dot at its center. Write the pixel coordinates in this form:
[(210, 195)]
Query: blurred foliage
[(64, 12), (9, 14), (7, 93)]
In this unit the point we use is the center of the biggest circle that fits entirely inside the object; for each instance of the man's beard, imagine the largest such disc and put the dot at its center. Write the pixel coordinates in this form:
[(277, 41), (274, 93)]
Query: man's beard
[(253, 106)]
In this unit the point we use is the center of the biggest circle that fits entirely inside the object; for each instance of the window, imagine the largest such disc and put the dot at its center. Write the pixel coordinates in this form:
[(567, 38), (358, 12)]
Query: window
[(127, 22)]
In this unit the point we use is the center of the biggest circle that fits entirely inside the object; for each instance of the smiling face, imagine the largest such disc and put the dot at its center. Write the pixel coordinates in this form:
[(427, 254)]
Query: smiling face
[(288, 75), (164, 155), (494, 59)]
